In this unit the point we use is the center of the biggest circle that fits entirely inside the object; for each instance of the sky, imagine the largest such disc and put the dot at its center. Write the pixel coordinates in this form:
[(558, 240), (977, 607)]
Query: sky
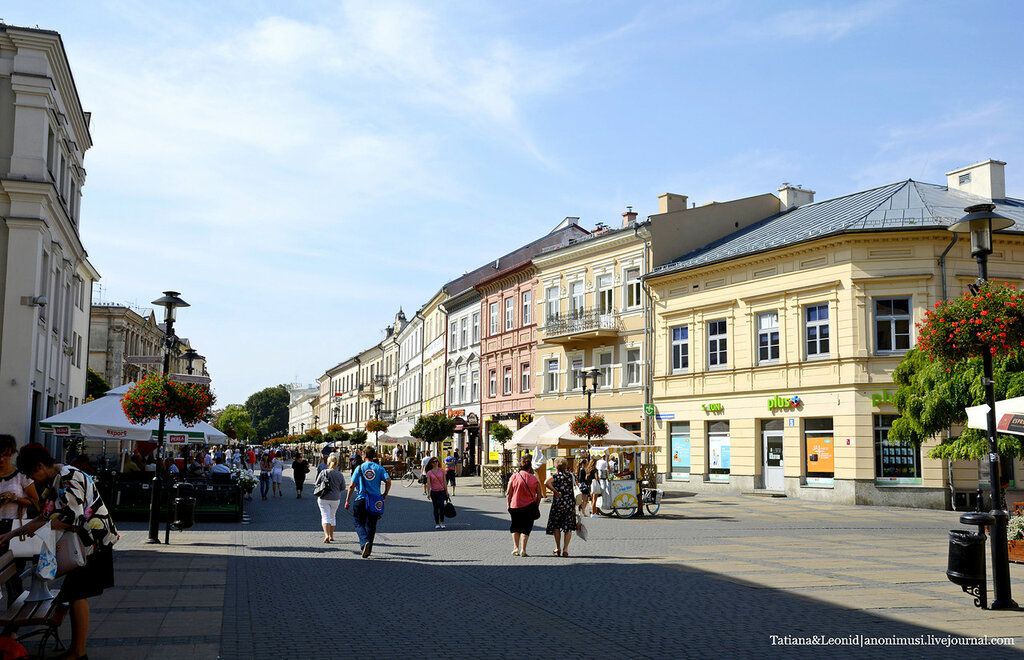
[(301, 170)]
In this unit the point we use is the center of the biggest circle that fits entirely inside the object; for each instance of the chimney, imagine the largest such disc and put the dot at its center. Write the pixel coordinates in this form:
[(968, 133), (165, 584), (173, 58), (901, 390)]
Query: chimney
[(629, 217), (669, 202), (985, 179), (791, 197)]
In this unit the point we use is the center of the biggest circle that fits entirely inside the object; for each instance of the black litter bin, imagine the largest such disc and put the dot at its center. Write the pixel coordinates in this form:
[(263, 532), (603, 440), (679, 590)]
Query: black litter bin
[(966, 564), (184, 507)]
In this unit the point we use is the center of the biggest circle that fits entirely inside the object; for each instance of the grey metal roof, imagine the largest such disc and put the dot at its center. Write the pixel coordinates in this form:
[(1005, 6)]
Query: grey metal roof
[(900, 206)]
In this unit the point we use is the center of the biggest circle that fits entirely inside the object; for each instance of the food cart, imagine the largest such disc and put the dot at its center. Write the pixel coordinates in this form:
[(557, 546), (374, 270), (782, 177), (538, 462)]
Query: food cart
[(631, 479)]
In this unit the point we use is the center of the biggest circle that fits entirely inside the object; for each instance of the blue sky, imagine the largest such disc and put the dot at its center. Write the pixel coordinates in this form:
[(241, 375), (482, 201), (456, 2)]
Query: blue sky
[(300, 170)]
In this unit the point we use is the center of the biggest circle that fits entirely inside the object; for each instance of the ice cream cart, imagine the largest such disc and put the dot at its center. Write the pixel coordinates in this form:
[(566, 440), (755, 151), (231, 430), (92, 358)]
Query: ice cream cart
[(623, 490)]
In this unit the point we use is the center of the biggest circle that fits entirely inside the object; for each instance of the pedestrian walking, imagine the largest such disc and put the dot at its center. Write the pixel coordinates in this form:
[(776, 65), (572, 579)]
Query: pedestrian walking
[(250, 460), (451, 464), (423, 472), (328, 487), (369, 498), (438, 491), (562, 517), (581, 479), (265, 466), (523, 495), (300, 468), (596, 489), (276, 471), (17, 495)]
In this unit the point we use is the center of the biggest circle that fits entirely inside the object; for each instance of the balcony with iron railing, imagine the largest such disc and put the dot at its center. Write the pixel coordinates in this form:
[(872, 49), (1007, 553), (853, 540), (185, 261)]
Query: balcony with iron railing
[(380, 381), (581, 326)]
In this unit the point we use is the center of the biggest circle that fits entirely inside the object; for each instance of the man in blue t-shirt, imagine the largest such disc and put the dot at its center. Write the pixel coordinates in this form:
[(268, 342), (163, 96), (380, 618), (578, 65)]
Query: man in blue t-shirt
[(365, 482), (451, 463)]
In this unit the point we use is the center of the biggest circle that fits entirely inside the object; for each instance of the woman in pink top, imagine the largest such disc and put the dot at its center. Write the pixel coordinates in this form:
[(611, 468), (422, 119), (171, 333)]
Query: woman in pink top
[(523, 494), (438, 491)]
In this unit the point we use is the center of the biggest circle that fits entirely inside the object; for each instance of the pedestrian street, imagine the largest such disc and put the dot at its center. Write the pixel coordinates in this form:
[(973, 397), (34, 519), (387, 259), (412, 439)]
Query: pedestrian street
[(706, 577)]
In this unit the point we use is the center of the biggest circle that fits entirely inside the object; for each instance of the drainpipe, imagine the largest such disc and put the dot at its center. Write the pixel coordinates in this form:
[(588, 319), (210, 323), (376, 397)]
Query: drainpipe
[(949, 429), (648, 340)]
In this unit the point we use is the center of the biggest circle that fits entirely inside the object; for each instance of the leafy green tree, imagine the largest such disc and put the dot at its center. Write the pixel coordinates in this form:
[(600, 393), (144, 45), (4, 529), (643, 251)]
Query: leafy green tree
[(235, 421), (357, 437), (95, 386), (501, 433), (269, 411), (433, 428), (932, 396)]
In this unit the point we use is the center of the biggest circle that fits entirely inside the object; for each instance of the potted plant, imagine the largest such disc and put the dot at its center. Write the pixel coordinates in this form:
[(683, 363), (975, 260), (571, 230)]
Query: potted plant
[(156, 394), (1015, 534), (376, 426), (589, 426)]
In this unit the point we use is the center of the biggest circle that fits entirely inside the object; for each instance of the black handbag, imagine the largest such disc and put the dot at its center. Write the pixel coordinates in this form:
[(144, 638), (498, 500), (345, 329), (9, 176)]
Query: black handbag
[(449, 509), (323, 485), (536, 510)]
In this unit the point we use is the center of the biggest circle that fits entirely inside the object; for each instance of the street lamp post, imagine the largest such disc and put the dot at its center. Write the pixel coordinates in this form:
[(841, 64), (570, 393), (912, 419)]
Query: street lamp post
[(170, 302), (190, 355), (376, 404), (981, 220), (595, 376)]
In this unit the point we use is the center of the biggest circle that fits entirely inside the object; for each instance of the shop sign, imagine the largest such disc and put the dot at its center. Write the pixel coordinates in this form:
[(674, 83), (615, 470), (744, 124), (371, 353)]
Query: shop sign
[(62, 430), (712, 407), (472, 419), (1009, 423), (665, 416), (176, 438), (778, 402), (456, 412), (525, 418), (881, 398)]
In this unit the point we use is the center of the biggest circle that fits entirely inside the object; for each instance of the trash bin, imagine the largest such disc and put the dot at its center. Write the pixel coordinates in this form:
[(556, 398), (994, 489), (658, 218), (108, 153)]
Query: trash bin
[(966, 564), (184, 506)]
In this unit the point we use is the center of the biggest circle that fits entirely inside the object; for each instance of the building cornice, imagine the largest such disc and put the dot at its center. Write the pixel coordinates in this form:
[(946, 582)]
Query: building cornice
[(584, 249)]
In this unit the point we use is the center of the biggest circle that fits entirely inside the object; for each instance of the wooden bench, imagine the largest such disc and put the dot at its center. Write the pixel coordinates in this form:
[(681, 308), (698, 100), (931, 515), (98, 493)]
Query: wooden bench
[(45, 616)]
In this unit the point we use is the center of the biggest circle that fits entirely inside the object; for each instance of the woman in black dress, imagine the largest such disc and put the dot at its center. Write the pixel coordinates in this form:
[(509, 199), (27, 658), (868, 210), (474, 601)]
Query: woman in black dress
[(562, 517)]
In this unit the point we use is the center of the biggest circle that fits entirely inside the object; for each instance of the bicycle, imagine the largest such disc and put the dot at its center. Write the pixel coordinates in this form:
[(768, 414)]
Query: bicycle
[(410, 477), (625, 504)]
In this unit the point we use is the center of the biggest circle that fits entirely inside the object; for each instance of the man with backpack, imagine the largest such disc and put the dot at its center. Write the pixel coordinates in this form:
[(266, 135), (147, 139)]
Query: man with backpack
[(369, 500)]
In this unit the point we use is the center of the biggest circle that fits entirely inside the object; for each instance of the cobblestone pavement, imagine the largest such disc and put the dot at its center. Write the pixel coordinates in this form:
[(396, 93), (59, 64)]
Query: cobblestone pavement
[(706, 577)]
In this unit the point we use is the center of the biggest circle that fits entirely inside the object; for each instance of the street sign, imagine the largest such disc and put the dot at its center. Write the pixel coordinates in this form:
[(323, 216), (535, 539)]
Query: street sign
[(648, 409), (191, 380), (144, 359)]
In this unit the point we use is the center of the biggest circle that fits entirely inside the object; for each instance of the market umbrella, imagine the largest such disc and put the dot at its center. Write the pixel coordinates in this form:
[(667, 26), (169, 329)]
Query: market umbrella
[(528, 436), (561, 436), (399, 433), (1009, 416)]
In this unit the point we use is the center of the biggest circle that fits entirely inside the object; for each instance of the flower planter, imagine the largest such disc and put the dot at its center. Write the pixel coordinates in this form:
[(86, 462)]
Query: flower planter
[(1016, 551)]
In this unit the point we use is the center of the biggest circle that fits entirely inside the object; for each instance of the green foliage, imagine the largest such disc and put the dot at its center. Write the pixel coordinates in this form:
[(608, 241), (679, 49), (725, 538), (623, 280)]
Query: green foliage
[(501, 433), (269, 411), (433, 428), (235, 421), (95, 386), (932, 396), (357, 437)]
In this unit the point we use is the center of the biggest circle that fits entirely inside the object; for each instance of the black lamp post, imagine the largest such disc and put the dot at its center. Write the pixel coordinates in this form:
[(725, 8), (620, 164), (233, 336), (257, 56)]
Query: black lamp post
[(588, 376), (376, 404), (191, 355), (170, 302), (981, 220)]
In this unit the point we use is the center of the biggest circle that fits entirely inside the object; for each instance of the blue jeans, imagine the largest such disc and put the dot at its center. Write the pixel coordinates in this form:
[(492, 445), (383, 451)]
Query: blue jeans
[(264, 484), (365, 523)]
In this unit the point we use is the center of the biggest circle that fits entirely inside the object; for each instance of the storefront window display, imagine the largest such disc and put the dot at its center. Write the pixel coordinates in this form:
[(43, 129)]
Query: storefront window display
[(819, 451), (895, 464), (679, 447), (718, 452)]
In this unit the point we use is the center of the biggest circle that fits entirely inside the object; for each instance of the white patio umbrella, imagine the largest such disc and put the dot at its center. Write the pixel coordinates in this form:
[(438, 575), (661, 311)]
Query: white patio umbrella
[(561, 436), (528, 436), (399, 432), (1006, 411)]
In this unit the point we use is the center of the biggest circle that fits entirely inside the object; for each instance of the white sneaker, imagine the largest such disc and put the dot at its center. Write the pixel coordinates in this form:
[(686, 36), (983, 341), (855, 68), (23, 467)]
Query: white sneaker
[(443, 527), (594, 515), (437, 527)]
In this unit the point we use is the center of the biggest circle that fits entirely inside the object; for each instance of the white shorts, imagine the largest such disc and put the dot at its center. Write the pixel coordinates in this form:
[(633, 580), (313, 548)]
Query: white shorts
[(328, 511), (275, 476)]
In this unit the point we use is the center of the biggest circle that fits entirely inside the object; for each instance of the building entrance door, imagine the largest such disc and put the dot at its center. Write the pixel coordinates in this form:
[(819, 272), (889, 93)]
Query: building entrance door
[(773, 471)]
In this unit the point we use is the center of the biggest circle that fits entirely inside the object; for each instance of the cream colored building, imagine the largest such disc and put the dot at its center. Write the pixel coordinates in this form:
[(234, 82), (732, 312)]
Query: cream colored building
[(45, 275), (774, 348), (118, 332), (435, 323)]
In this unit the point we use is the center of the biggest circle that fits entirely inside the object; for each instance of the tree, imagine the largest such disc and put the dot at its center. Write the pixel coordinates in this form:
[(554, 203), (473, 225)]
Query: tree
[(501, 433), (95, 386), (269, 411), (234, 421), (932, 396), (433, 428), (357, 437)]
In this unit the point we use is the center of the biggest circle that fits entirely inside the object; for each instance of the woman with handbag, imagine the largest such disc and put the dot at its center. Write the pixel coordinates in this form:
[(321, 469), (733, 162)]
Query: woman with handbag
[(329, 486), (266, 464), (438, 490), (17, 494), (582, 482), (72, 505), (562, 517), (523, 495), (595, 488)]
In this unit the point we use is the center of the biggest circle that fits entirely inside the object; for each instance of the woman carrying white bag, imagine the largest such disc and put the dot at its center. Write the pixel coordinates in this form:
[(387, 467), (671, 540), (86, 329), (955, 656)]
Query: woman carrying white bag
[(72, 506), (17, 494)]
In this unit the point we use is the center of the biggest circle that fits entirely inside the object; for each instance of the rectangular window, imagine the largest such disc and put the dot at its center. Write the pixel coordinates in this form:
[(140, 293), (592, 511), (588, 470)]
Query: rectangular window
[(451, 389), (819, 451), (767, 337), (507, 380), (680, 349), (605, 300), (527, 307), (453, 340), (576, 299), (604, 365), (476, 327), (524, 377), (892, 324), (817, 332), (718, 354), (719, 452), (551, 377), (494, 318), (464, 332), (632, 288), (462, 388), (895, 463), (576, 374), (632, 366), (679, 441), (493, 384), (551, 303), (476, 386), (509, 313)]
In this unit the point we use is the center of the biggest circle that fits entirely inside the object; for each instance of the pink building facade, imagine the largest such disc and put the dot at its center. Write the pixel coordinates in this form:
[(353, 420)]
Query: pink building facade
[(507, 351)]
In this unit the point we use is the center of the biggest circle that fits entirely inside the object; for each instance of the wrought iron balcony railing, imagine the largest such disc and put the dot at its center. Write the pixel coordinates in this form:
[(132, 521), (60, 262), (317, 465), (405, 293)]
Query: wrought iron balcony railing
[(380, 381), (580, 321)]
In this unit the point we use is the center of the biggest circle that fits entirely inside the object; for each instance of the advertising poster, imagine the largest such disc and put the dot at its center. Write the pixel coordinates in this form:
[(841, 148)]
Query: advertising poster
[(493, 450), (718, 457), (820, 460), (680, 456)]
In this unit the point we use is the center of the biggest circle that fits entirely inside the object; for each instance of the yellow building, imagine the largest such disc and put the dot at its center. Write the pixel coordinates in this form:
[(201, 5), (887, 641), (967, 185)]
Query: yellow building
[(773, 348), (435, 321)]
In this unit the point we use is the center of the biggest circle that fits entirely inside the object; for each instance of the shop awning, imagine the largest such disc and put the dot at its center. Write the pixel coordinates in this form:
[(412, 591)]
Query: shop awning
[(611, 449), (1009, 416)]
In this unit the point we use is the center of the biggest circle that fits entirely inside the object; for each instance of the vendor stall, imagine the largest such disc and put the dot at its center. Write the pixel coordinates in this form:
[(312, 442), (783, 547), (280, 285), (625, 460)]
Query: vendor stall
[(629, 481)]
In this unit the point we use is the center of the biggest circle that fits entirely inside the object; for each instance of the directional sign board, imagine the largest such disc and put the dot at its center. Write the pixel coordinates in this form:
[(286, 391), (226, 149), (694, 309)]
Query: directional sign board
[(144, 359), (189, 379)]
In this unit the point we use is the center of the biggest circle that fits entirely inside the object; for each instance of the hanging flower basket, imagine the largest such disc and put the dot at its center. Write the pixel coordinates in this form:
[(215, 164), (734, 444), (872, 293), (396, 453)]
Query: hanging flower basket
[(156, 394), (989, 321), (589, 426), (375, 425)]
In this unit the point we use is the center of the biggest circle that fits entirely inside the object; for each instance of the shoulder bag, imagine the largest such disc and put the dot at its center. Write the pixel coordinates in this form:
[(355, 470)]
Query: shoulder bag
[(449, 509), (322, 485), (24, 546), (71, 552), (576, 492)]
